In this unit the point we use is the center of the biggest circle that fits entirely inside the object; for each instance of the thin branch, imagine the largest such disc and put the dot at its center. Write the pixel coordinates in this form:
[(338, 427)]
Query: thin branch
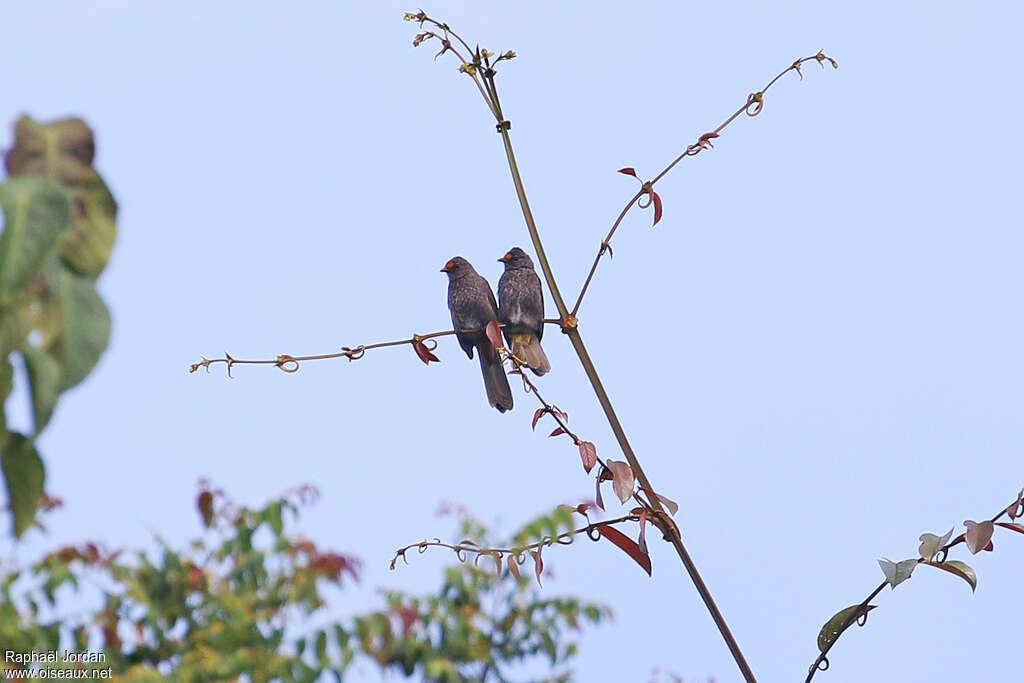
[(592, 530), (289, 363), (859, 615), (752, 107)]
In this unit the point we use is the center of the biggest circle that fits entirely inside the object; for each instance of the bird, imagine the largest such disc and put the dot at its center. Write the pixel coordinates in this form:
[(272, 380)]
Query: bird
[(521, 309), (472, 306)]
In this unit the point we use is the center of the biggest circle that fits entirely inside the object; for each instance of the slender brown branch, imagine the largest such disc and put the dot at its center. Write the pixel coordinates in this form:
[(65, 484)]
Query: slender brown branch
[(592, 530), (753, 107), (289, 363)]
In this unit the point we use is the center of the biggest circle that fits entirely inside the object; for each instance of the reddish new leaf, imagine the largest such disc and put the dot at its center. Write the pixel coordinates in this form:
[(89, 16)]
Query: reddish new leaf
[(598, 499), (1016, 508), (670, 505), (494, 335), (513, 566), (657, 207), (622, 479), (557, 431), (627, 545), (628, 171), (48, 502), (705, 140), (205, 504), (957, 568), (642, 541), (408, 616), (537, 415), (978, 536), (1012, 526), (588, 453), (424, 353), (538, 564)]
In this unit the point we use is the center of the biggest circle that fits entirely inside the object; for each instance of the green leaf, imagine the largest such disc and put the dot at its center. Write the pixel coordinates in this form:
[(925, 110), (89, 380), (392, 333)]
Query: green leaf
[(63, 151), (44, 374), (897, 572), (93, 231), (23, 475), (842, 620), (85, 327), (37, 214), (273, 515), (321, 647)]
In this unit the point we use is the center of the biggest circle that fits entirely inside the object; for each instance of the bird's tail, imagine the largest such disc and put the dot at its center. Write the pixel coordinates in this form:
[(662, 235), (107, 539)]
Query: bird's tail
[(527, 348), (499, 393)]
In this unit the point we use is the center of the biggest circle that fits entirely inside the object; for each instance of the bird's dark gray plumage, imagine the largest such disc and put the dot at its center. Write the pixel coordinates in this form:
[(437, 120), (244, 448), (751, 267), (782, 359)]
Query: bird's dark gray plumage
[(472, 306), (521, 309)]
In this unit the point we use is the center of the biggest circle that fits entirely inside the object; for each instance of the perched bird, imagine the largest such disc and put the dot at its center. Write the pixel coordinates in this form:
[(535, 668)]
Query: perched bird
[(521, 309), (471, 302)]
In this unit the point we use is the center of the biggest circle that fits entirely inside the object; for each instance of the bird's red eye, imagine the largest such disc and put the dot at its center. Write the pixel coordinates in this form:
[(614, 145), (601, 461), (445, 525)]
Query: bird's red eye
[(508, 255), (450, 264)]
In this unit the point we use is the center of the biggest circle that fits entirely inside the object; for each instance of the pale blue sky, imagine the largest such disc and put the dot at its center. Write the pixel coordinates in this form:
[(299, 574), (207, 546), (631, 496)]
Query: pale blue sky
[(816, 352)]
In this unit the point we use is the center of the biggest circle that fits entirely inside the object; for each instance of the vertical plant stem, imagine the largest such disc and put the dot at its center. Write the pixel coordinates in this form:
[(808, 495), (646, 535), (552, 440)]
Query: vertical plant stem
[(595, 381)]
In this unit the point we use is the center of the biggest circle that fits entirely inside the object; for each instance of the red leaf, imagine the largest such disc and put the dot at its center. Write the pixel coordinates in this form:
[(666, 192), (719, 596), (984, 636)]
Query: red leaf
[(1019, 528), (408, 616), (627, 545), (670, 505), (205, 504), (598, 499), (557, 431), (424, 353), (513, 566), (705, 140), (657, 207), (331, 565), (494, 335), (622, 479), (643, 531), (48, 502), (588, 453), (537, 415), (1014, 510), (978, 536), (538, 564), (628, 171)]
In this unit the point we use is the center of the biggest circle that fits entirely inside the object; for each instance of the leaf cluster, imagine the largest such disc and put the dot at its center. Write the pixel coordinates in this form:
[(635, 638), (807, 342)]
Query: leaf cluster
[(248, 598), (58, 232)]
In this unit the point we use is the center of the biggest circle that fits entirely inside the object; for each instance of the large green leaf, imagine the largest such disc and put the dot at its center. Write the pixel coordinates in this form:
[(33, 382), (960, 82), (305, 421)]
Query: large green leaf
[(63, 151), (84, 329), (91, 238), (36, 216), (23, 475), (44, 377)]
